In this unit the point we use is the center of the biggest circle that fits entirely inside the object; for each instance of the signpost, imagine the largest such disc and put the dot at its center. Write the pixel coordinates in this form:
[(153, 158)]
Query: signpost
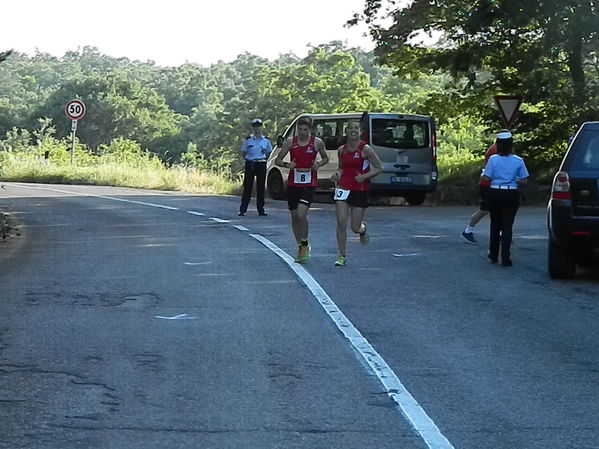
[(75, 110), (508, 106)]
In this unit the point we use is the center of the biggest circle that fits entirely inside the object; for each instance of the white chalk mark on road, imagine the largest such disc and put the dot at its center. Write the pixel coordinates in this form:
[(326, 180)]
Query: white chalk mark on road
[(183, 316)]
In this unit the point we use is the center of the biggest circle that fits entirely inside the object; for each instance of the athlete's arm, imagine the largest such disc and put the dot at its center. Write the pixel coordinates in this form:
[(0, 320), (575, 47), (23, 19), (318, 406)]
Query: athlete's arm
[(319, 144), (376, 166), (284, 150), (337, 175)]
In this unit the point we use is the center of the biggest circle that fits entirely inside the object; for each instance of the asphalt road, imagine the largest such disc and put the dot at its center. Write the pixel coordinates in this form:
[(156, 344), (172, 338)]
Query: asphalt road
[(139, 319)]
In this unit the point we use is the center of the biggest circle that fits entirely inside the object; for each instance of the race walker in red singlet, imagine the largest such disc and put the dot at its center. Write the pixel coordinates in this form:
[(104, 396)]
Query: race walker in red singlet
[(304, 157), (302, 150), (358, 163), (353, 164)]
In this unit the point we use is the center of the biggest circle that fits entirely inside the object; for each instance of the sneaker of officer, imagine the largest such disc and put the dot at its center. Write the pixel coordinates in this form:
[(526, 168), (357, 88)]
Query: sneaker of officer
[(255, 150), (506, 172), (483, 194), (302, 180)]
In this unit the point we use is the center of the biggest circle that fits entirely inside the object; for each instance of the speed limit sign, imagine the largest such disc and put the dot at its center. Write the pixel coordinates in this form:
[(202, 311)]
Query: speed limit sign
[(75, 109)]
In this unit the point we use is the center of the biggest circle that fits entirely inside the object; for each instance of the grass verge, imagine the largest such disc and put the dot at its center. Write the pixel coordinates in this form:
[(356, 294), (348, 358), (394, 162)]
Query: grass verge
[(111, 174)]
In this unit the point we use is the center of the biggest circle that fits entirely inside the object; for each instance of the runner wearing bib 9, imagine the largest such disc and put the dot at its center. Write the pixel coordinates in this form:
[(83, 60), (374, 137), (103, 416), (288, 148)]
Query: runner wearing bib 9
[(357, 164), (302, 180)]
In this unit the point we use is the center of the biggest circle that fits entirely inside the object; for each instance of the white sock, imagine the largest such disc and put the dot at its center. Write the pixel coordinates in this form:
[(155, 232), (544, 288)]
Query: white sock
[(469, 229)]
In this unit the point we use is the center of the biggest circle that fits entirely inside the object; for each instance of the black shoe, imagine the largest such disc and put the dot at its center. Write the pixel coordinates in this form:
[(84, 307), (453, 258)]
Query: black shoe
[(507, 263), (262, 214), (241, 214), (492, 259), (469, 236)]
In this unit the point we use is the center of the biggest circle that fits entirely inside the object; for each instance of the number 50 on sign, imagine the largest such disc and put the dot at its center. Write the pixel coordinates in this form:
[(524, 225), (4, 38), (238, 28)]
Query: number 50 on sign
[(75, 109)]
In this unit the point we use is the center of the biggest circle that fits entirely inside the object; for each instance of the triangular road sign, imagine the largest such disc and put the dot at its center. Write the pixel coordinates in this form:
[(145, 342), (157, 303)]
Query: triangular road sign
[(508, 106)]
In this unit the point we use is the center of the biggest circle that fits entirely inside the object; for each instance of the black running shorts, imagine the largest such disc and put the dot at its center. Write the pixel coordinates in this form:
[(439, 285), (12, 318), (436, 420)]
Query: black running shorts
[(299, 195)]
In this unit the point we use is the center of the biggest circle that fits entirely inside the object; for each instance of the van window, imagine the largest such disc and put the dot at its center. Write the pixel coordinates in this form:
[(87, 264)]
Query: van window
[(401, 134), (329, 132)]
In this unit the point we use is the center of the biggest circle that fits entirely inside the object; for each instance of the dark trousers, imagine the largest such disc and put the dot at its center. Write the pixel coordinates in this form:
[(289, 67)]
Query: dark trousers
[(503, 205), (257, 170)]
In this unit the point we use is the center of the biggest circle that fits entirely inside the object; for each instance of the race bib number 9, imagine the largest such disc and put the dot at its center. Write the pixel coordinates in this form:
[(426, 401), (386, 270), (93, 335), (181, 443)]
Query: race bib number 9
[(341, 194), (302, 177)]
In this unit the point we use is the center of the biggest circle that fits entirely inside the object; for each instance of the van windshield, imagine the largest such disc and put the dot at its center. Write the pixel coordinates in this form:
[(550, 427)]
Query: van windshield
[(397, 133)]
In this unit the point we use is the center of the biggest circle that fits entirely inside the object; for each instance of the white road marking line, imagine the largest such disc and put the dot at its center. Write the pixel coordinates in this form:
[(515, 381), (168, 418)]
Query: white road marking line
[(196, 213), (102, 196), (183, 316), (410, 408), (218, 220), (429, 236), (196, 263), (241, 228), (406, 255)]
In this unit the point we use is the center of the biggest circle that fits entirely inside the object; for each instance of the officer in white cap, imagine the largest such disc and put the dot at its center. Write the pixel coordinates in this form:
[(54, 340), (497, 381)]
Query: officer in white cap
[(255, 149), (506, 172)]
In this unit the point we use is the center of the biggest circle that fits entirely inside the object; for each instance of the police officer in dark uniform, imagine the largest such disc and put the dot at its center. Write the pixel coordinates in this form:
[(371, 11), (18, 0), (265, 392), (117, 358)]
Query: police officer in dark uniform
[(506, 172), (255, 150)]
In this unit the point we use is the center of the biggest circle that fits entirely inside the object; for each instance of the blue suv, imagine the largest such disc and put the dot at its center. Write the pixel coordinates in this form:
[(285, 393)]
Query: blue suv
[(573, 211)]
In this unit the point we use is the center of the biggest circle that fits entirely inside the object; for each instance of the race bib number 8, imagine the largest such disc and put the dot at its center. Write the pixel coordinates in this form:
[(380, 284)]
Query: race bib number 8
[(341, 194), (302, 177)]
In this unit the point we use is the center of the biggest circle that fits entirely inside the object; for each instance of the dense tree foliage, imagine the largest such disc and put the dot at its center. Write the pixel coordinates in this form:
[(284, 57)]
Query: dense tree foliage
[(545, 51), (4, 55), (193, 113), (198, 115)]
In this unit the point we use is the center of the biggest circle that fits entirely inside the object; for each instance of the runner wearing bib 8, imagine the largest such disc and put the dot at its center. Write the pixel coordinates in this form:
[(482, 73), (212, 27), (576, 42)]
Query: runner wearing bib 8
[(302, 180)]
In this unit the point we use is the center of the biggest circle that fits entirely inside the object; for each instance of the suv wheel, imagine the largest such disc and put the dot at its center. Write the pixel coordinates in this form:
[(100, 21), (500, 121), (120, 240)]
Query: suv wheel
[(275, 185), (561, 263)]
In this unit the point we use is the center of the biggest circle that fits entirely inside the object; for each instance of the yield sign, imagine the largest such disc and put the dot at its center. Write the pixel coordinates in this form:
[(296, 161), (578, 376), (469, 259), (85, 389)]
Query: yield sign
[(508, 106)]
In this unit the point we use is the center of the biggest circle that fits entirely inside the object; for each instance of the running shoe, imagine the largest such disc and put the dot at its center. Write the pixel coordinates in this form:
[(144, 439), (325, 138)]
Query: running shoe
[(340, 262), (469, 236), (364, 237), (303, 254)]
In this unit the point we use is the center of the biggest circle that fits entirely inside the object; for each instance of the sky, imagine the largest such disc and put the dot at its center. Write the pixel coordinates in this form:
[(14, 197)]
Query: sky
[(173, 32)]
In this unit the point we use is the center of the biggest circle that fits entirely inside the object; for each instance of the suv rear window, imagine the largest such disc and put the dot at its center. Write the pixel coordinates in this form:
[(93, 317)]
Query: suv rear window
[(400, 133), (586, 152)]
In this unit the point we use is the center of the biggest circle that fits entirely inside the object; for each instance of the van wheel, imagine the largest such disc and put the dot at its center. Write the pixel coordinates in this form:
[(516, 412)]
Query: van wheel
[(415, 199), (275, 185), (561, 263)]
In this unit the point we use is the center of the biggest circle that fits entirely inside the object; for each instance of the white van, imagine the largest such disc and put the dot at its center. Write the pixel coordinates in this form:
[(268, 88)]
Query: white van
[(406, 145)]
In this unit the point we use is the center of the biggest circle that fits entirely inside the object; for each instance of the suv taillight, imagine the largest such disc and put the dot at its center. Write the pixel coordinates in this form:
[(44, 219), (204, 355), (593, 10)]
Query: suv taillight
[(561, 186)]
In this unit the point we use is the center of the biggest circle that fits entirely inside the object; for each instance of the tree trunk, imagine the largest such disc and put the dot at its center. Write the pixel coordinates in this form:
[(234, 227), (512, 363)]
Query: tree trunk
[(577, 70)]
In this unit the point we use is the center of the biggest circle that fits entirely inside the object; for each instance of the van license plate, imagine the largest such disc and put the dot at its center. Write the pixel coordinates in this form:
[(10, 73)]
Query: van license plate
[(403, 179)]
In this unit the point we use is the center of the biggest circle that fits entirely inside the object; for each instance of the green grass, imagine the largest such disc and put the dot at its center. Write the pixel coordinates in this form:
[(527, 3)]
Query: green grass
[(23, 168), (456, 169)]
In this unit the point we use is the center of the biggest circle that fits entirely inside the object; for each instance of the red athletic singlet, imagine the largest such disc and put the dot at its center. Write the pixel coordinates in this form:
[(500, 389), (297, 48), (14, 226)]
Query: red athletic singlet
[(353, 164), (304, 157), (490, 152)]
